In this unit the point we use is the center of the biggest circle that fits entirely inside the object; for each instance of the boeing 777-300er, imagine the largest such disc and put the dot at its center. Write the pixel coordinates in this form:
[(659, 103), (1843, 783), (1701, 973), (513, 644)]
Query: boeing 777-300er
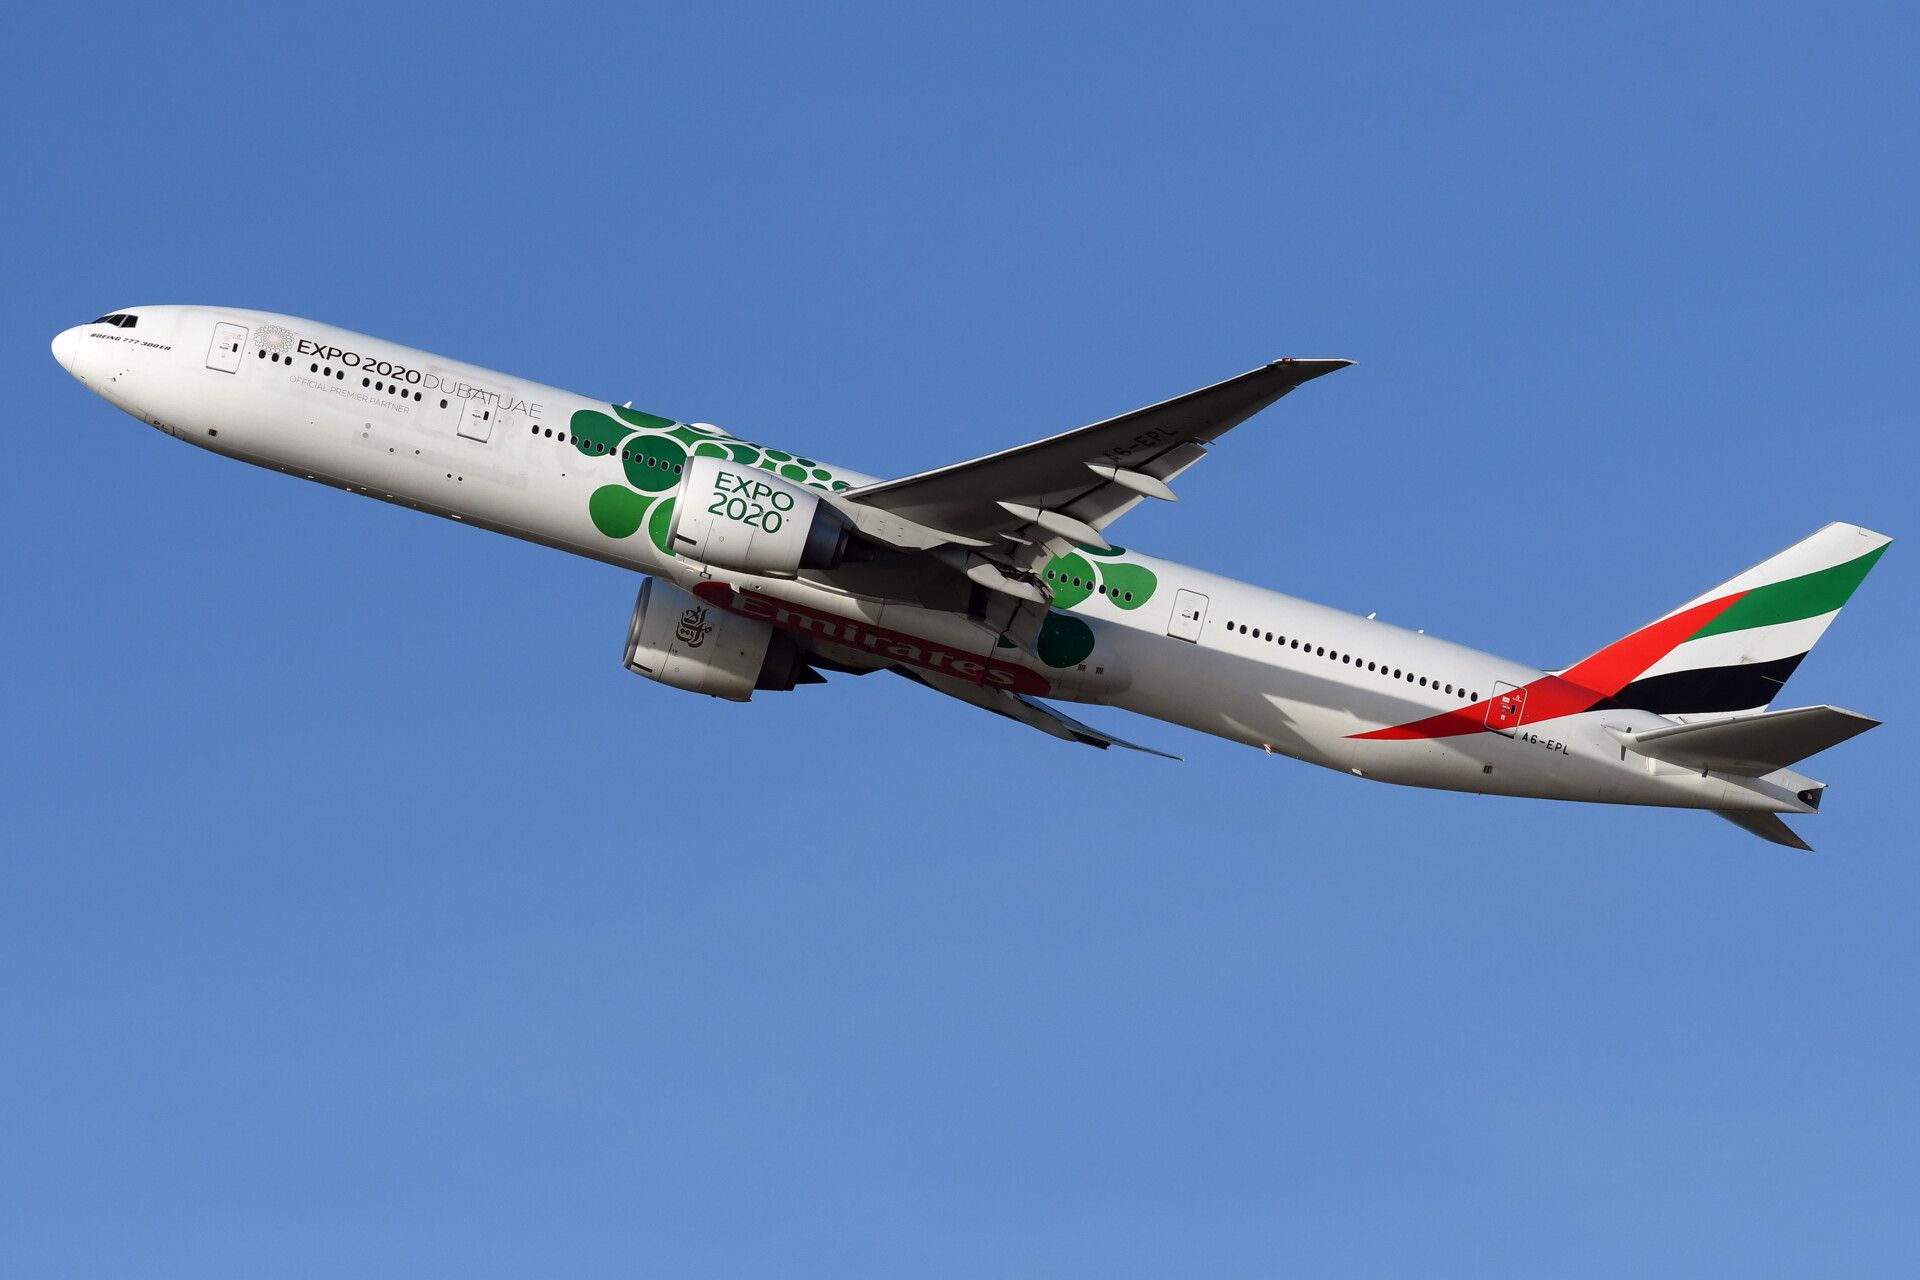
[(993, 580)]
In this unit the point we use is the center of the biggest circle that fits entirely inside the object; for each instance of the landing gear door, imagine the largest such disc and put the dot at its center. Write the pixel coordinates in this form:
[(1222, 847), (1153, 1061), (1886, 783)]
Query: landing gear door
[(477, 422), (1506, 708), (229, 343), (1189, 615)]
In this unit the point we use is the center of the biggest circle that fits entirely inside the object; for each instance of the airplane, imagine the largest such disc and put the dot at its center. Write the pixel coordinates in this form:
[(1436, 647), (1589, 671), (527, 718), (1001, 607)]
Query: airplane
[(993, 581)]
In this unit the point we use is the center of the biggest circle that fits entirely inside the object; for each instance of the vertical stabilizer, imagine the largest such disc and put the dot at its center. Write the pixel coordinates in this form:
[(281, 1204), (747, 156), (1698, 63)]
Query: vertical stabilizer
[(1730, 649)]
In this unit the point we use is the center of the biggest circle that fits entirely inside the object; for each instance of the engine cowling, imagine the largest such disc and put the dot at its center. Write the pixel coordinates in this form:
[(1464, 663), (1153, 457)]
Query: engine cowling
[(684, 642), (752, 521)]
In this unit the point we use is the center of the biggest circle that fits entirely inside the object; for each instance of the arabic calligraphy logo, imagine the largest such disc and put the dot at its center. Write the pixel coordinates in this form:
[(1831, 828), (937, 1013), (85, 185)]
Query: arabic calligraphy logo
[(694, 627)]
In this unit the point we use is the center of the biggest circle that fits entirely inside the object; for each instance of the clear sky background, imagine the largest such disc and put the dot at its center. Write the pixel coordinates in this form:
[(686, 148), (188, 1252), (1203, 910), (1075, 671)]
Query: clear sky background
[(360, 916)]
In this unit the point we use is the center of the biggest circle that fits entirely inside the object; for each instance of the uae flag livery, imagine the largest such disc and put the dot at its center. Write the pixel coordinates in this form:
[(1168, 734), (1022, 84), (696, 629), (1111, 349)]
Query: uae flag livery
[(1726, 651), (1755, 629)]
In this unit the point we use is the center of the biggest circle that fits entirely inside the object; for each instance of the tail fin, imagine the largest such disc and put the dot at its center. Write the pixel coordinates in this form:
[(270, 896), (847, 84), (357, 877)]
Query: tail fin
[(1731, 649)]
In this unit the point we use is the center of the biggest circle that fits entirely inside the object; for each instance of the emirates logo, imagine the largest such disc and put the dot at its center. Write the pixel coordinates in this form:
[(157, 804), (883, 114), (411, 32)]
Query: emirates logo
[(694, 627)]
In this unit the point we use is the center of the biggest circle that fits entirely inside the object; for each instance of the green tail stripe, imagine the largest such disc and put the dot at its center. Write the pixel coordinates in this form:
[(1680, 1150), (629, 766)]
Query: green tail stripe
[(1807, 596)]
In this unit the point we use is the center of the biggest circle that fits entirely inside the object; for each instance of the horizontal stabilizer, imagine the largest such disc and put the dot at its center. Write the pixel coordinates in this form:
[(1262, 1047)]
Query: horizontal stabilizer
[(1767, 826), (1749, 746)]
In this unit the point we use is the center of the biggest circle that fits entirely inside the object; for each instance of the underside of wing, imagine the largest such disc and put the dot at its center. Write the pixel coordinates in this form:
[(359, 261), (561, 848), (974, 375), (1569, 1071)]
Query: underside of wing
[(1014, 505)]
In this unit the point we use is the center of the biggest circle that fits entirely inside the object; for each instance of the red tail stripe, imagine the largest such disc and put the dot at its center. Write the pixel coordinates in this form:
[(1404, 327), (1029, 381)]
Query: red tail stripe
[(1620, 663), (1582, 685)]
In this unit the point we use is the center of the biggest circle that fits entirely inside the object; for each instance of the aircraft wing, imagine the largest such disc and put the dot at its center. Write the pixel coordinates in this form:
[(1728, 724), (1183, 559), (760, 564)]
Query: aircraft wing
[(1023, 505), (1028, 711)]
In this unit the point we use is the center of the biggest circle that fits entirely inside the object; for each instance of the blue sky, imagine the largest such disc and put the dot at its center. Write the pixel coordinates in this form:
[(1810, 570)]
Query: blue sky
[(360, 915)]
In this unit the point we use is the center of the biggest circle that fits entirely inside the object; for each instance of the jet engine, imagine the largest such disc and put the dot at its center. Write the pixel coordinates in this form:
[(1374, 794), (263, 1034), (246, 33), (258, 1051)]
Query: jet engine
[(686, 643), (752, 521)]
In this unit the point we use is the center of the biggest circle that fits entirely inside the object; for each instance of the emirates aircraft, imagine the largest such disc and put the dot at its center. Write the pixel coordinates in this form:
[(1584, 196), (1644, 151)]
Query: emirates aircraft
[(993, 580)]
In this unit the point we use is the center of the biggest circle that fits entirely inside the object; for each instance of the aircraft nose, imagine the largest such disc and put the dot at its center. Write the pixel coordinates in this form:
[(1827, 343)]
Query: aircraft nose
[(65, 344)]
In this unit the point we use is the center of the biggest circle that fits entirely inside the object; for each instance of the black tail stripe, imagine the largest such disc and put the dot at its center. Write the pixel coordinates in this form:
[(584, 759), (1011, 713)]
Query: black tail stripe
[(1709, 689)]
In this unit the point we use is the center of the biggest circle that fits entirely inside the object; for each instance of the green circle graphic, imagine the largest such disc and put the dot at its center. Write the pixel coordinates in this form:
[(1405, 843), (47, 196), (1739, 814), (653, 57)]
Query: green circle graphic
[(1065, 641), (651, 461), (616, 510), (595, 434), (658, 524)]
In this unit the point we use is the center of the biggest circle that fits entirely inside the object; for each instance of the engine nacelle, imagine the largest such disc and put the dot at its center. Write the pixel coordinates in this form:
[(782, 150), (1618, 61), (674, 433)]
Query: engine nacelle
[(752, 521), (683, 642)]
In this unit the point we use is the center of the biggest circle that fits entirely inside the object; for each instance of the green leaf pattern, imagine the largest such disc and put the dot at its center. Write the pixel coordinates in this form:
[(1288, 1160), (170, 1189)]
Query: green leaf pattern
[(1080, 575), (648, 454)]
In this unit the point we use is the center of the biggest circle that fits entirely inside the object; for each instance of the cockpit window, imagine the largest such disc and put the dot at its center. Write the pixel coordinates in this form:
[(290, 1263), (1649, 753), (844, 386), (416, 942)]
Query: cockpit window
[(119, 318)]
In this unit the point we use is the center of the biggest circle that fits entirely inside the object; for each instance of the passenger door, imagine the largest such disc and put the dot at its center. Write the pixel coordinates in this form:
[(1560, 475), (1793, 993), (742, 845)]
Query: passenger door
[(1506, 708), (1189, 615), (477, 422), (228, 345)]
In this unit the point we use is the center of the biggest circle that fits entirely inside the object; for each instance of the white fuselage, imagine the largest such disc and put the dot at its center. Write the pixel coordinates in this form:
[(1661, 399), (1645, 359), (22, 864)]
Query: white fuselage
[(477, 446)]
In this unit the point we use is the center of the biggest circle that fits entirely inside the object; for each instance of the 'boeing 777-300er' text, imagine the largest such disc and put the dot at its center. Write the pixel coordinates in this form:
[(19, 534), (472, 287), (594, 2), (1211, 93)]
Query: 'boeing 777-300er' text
[(993, 581)]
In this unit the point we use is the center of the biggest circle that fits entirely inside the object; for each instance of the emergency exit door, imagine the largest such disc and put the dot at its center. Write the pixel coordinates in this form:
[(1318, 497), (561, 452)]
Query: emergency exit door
[(477, 422), (229, 343), (1189, 615)]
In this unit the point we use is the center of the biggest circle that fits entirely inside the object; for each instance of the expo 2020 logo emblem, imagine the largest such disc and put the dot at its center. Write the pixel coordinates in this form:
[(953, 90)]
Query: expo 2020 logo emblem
[(271, 337)]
